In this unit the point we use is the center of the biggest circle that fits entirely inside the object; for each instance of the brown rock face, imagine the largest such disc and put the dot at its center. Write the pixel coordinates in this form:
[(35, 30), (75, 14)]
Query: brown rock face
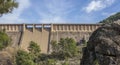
[(5, 59), (103, 47), (7, 56)]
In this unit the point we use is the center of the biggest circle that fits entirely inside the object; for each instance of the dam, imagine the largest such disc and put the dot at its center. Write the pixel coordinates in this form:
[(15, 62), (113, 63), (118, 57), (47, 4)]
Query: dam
[(42, 34)]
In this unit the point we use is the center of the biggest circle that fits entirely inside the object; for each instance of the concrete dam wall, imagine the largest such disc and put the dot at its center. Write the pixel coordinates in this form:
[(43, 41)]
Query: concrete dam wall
[(23, 34)]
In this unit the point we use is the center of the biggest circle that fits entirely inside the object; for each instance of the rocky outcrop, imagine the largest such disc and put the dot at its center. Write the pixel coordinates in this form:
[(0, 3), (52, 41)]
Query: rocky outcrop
[(7, 56), (5, 59), (103, 47)]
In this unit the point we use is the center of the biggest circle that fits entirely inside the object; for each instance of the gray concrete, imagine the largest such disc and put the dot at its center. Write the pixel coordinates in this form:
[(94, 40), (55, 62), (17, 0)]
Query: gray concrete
[(22, 34)]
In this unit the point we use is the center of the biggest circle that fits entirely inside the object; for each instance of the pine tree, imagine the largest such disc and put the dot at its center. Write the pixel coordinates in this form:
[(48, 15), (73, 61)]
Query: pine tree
[(7, 6)]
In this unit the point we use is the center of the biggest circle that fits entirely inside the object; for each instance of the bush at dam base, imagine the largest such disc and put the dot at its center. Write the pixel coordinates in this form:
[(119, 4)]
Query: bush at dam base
[(64, 52), (4, 40)]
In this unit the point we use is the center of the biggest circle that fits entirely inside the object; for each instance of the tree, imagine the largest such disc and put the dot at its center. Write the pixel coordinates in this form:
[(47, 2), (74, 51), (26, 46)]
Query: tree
[(68, 46), (65, 48), (4, 40), (24, 58), (34, 50), (54, 46), (6, 6)]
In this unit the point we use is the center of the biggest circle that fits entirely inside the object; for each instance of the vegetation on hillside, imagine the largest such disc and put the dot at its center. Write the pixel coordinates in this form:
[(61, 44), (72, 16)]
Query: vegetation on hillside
[(6, 6), (111, 18)]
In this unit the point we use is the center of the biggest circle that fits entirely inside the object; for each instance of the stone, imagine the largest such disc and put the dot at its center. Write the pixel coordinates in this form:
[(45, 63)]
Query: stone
[(5, 59), (103, 47), (7, 56)]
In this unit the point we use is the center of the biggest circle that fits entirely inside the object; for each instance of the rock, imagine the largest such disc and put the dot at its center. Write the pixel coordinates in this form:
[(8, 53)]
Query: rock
[(103, 47), (7, 56), (5, 59)]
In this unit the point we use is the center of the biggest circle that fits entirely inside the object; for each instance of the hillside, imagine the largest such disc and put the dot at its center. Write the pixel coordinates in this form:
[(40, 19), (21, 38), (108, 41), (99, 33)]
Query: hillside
[(111, 18)]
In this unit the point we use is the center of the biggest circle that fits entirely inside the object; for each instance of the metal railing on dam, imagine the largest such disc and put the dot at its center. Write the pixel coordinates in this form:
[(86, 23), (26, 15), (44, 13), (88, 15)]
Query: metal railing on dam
[(53, 27)]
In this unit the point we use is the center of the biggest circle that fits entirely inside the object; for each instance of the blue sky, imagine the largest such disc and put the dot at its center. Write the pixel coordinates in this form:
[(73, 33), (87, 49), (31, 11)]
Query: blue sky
[(61, 11)]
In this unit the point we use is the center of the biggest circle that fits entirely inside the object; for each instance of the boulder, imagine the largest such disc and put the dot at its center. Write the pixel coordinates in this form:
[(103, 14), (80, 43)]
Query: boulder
[(5, 59), (7, 56), (103, 47)]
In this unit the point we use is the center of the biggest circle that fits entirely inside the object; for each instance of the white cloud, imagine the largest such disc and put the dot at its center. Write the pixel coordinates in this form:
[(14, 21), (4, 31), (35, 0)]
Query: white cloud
[(14, 17), (54, 11), (96, 5)]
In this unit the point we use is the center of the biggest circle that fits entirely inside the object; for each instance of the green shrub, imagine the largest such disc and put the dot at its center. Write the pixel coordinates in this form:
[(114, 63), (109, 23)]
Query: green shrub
[(43, 57), (4, 40), (51, 62), (24, 58), (65, 48), (96, 62), (34, 50), (65, 63), (29, 58)]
